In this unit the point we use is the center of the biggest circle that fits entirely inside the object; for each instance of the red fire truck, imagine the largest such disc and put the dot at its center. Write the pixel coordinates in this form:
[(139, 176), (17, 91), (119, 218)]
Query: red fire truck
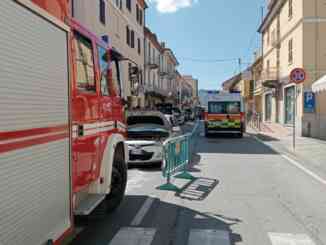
[(62, 130)]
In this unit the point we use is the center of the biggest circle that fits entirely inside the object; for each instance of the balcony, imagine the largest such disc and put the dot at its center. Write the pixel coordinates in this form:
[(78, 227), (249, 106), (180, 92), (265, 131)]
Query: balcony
[(269, 78), (154, 90), (153, 64)]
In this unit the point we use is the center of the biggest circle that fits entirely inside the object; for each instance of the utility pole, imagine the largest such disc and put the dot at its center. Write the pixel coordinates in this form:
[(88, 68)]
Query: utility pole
[(240, 64)]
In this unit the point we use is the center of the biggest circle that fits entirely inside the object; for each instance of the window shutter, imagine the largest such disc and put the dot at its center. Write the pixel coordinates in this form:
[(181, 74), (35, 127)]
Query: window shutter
[(102, 12), (132, 39), (128, 35)]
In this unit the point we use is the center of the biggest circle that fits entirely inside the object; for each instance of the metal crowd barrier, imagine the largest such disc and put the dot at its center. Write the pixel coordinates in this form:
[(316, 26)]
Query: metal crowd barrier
[(178, 154)]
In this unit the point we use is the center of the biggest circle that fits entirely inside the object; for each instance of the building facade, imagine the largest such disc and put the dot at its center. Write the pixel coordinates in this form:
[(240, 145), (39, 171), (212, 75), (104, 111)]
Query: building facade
[(168, 74), (154, 92), (258, 89), (293, 34), (121, 23), (185, 92), (193, 82)]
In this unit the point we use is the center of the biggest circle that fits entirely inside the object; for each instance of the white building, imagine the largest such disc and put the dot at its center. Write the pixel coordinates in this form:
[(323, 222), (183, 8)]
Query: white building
[(122, 21)]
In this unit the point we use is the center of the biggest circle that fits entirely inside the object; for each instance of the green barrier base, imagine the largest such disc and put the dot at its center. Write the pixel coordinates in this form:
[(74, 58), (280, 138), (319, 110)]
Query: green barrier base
[(185, 175), (168, 187)]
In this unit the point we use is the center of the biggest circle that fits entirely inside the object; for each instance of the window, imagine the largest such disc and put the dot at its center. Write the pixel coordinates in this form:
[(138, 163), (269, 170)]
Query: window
[(140, 17), (115, 79), (103, 62), (139, 46), (268, 37), (290, 9), (149, 51), (128, 35), (102, 11), (132, 39), (224, 107), (128, 5), (290, 51), (137, 13), (84, 63), (273, 37)]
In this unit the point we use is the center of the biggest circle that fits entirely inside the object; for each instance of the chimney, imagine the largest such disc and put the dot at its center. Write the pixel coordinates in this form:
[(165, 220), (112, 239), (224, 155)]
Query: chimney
[(163, 44)]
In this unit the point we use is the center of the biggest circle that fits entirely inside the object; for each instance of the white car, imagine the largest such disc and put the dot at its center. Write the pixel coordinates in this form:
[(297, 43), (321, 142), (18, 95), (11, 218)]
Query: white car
[(147, 131)]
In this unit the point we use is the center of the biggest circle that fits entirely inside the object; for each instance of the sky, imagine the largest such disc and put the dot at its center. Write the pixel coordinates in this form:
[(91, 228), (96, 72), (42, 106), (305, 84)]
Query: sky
[(203, 32)]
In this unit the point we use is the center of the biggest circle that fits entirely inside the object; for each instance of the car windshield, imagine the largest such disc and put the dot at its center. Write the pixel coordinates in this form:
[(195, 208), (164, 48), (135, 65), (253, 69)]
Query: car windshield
[(176, 110), (224, 107), (165, 108), (132, 120)]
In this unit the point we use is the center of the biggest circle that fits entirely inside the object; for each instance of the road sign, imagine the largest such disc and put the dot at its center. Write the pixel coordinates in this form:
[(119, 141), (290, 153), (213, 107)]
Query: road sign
[(298, 75)]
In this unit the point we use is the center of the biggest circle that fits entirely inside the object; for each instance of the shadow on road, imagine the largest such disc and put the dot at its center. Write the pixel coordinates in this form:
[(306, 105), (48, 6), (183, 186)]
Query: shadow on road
[(264, 137), (172, 223), (228, 144), (151, 167)]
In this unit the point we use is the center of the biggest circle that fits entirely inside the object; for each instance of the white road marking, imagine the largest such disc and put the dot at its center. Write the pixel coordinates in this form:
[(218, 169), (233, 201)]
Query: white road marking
[(208, 237), (136, 180), (133, 236), (307, 171), (142, 212), (298, 165), (290, 239)]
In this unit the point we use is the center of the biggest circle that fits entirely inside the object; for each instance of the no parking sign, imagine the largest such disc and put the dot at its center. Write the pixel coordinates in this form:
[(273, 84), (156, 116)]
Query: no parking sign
[(298, 75)]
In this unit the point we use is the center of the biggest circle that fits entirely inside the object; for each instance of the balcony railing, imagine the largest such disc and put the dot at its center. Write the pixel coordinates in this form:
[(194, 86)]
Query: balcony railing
[(269, 77), (153, 63), (156, 90)]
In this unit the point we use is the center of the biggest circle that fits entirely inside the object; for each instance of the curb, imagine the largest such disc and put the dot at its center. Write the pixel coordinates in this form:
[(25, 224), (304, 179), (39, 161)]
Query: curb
[(294, 160)]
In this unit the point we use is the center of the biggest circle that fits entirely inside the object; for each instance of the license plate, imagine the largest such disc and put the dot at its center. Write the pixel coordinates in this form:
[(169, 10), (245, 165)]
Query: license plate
[(137, 152)]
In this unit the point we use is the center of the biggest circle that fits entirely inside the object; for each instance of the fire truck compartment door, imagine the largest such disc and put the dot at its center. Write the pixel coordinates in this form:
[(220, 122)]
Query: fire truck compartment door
[(34, 126)]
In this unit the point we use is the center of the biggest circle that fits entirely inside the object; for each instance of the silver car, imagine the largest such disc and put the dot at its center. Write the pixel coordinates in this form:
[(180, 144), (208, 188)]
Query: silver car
[(147, 130)]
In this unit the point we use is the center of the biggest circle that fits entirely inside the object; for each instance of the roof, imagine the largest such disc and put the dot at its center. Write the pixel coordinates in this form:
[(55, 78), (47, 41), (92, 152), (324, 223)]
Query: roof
[(143, 4), (228, 84), (171, 54), (319, 85), (272, 12), (153, 38)]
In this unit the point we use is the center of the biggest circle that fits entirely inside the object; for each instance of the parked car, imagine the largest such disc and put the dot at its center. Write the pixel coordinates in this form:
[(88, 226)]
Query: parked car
[(167, 110), (147, 131), (179, 115), (189, 114)]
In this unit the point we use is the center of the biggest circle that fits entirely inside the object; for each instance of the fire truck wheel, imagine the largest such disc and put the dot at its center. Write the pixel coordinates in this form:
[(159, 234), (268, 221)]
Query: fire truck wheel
[(119, 181)]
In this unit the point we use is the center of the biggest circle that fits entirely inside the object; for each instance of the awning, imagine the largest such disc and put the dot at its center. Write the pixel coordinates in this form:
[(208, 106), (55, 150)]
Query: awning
[(319, 85)]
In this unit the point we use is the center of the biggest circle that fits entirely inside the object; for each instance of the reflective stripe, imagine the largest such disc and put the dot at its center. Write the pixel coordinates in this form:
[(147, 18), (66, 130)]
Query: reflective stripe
[(93, 128)]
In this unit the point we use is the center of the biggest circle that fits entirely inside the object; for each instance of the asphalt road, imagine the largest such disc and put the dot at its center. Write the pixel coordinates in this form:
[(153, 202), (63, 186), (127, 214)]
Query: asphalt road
[(245, 193)]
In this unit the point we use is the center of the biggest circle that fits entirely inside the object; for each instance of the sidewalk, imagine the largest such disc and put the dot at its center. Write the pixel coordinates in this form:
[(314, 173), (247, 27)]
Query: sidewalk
[(309, 152)]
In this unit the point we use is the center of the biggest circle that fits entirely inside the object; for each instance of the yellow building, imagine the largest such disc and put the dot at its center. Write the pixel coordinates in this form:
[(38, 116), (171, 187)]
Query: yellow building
[(194, 85), (293, 35)]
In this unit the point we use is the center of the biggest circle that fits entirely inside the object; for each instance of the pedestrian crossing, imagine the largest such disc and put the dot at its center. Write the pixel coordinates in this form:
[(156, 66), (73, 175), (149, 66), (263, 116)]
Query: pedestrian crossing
[(145, 236), (290, 239)]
